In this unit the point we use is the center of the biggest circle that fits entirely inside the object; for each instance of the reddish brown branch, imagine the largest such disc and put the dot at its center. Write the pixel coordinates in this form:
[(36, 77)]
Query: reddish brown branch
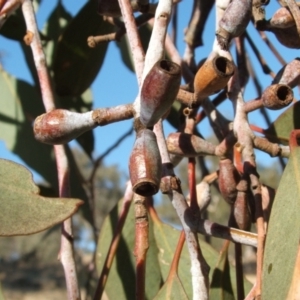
[(141, 244)]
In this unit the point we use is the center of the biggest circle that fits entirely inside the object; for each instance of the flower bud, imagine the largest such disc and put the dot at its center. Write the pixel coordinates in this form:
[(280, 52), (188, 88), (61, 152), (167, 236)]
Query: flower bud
[(277, 96), (60, 126), (234, 21), (228, 180), (212, 76), (145, 164), (282, 18), (289, 74), (189, 145), (159, 90)]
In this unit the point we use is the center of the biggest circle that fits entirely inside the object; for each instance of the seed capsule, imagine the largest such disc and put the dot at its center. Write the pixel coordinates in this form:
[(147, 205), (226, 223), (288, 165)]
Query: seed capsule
[(277, 96), (228, 180), (145, 164), (241, 211), (282, 18), (234, 21), (60, 126), (288, 37), (159, 91), (212, 76), (189, 145), (289, 74)]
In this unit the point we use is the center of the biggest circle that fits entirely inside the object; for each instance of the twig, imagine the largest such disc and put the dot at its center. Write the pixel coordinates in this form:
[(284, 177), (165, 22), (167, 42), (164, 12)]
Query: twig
[(266, 69), (98, 161), (272, 48), (116, 36), (200, 13), (104, 116), (141, 243), (133, 37), (239, 272), (199, 267), (66, 250), (114, 242), (245, 139)]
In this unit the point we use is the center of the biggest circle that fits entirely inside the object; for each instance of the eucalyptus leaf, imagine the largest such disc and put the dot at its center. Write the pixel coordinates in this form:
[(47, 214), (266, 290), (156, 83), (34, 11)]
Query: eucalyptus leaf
[(1, 292), (124, 46), (22, 210), (280, 130), (163, 242), (75, 64), (53, 28), (172, 290), (20, 104), (222, 280), (14, 27), (121, 279), (283, 233)]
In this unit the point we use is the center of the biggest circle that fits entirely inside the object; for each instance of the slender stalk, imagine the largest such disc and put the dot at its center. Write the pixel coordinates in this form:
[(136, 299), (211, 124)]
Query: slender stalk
[(114, 242), (141, 243), (266, 69), (245, 139), (133, 37), (192, 183), (272, 48), (66, 253), (199, 267), (239, 272)]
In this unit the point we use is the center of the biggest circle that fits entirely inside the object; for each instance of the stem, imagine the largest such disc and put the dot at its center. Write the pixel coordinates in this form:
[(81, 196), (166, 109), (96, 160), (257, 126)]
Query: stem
[(141, 243), (114, 242), (266, 69), (192, 183), (239, 272), (133, 37), (199, 267), (66, 253)]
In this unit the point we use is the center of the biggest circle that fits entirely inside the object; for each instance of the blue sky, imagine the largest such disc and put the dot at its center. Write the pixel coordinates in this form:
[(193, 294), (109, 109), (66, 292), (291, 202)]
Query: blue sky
[(113, 87)]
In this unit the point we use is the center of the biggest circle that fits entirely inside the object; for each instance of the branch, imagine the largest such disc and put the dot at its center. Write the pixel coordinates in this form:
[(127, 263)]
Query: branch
[(66, 254), (171, 186), (133, 37)]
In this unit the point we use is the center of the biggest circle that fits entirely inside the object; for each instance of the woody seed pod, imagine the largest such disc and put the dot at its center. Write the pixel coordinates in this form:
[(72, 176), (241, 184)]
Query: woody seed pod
[(282, 18), (145, 164), (277, 96), (241, 211), (288, 37), (189, 145), (234, 21), (212, 76), (289, 74), (159, 91), (60, 126), (228, 180)]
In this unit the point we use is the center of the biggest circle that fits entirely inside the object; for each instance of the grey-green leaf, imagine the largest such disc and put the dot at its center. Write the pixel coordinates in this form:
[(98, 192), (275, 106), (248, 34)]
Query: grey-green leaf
[(121, 280), (22, 210), (283, 233), (280, 130)]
